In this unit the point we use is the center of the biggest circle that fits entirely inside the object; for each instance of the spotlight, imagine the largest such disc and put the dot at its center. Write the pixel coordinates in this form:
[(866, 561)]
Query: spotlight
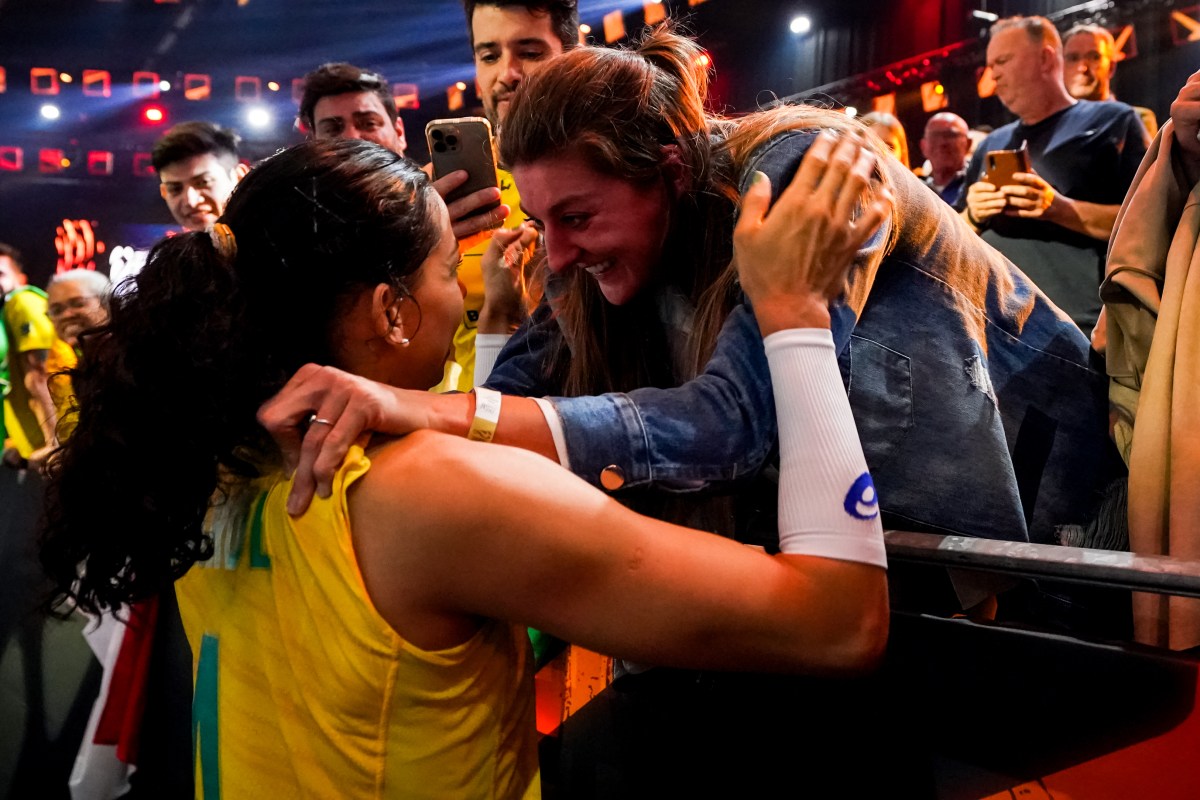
[(273, 86), (585, 29), (461, 86), (800, 24), (986, 16), (64, 77), (851, 111), (703, 61), (258, 117), (164, 86), (154, 115), (50, 111)]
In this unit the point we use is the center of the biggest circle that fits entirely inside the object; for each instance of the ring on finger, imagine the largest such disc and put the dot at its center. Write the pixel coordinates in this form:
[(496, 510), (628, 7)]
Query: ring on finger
[(313, 419)]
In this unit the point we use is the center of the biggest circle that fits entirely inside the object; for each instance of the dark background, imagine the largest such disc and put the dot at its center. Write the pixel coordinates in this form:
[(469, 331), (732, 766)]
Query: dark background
[(757, 59)]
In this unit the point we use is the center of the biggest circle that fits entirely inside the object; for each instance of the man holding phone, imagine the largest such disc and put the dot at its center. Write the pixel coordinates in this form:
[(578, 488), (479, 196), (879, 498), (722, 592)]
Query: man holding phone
[(1054, 220), (509, 40)]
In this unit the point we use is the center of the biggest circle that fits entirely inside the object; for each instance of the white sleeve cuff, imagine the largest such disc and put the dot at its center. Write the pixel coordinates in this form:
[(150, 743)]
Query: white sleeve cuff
[(554, 423), (827, 502), (487, 349)]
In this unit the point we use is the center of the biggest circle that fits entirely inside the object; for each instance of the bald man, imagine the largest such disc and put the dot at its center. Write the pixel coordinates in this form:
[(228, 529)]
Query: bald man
[(946, 143)]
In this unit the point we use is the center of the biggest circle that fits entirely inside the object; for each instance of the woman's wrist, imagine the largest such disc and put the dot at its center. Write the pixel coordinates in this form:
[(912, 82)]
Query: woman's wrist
[(777, 313)]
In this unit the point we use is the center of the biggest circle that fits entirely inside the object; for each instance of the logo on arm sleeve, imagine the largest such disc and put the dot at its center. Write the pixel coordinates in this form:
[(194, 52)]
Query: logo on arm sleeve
[(861, 501)]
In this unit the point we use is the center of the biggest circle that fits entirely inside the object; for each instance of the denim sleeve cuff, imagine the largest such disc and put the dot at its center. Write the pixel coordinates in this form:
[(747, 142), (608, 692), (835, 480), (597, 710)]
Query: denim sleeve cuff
[(617, 459)]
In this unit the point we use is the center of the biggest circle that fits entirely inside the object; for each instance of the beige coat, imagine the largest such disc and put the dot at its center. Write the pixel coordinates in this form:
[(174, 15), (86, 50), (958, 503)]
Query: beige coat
[(1152, 299)]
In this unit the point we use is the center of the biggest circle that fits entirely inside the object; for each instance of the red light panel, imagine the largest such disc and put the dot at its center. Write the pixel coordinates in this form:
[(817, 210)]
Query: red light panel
[(12, 159), (297, 90), (51, 160), (197, 86), (143, 167), (3, 81), (43, 80), (100, 162), (247, 88), (145, 84), (154, 115), (97, 83)]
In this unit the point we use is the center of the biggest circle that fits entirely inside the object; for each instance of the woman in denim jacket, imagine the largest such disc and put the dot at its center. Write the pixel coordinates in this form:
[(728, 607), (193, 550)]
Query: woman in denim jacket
[(978, 408)]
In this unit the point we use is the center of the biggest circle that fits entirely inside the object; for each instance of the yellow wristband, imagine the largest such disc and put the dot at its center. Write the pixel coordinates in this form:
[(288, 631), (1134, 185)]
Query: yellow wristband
[(487, 415)]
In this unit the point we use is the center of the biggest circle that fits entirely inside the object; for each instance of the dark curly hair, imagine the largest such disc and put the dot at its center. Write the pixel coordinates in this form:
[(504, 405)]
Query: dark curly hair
[(168, 389)]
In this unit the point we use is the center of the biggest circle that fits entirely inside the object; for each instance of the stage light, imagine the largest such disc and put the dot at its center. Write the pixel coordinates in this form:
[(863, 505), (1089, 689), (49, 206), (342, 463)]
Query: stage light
[(3, 80), (43, 80), (197, 86), (51, 160), (800, 25), (703, 60), (64, 77), (164, 86), (585, 29), (247, 88), (258, 117), (461, 86), (12, 159), (143, 167), (851, 111), (100, 162), (97, 83), (50, 111), (614, 26), (273, 86), (154, 115), (406, 95), (654, 12), (145, 84)]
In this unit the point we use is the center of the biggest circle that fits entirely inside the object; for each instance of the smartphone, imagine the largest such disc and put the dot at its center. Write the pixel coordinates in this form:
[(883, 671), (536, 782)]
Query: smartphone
[(999, 166), (464, 143)]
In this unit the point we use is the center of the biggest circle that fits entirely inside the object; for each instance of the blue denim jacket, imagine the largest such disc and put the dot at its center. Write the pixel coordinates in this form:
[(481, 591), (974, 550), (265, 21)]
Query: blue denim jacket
[(977, 407)]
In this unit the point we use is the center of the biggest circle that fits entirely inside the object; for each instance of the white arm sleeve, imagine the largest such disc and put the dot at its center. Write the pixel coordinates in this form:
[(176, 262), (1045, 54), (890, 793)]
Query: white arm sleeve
[(487, 348), (827, 502)]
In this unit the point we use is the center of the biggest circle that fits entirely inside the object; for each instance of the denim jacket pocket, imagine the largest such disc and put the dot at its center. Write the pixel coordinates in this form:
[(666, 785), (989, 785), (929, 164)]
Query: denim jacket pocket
[(879, 385)]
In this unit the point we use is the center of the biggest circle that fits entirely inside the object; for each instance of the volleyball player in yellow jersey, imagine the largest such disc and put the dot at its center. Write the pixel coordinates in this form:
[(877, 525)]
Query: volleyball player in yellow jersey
[(370, 647)]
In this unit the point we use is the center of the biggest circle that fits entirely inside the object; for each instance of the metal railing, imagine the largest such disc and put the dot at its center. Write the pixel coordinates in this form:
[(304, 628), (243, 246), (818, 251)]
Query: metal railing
[(1157, 574)]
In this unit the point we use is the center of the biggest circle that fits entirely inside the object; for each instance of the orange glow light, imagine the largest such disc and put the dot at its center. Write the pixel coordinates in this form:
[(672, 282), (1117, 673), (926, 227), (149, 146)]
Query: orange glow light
[(97, 83)]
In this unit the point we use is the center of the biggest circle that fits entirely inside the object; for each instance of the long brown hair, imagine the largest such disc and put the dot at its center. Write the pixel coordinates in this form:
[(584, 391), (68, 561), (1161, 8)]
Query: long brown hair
[(622, 111), (618, 110)]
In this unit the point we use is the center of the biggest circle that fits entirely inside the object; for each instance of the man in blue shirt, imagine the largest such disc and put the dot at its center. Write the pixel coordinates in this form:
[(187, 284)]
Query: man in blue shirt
[(1053, 221)]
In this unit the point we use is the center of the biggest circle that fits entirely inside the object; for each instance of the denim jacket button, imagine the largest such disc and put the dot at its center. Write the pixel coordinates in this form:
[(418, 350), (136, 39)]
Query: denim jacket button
[(612, 477)]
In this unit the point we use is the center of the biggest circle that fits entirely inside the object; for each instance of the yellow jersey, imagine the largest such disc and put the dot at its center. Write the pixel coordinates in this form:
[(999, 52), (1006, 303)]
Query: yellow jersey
[(302, 689), (28, 328)]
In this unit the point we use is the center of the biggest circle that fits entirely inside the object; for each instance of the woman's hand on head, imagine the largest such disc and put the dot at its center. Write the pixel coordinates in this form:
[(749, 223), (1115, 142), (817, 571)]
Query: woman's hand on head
[(793, 258), (346, 405)]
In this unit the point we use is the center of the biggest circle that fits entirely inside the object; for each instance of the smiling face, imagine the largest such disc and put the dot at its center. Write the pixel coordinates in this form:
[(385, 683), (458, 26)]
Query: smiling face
[(197, 188), (358, 115), (510, 42), (73, 309), (1088, 66), (611, 228)]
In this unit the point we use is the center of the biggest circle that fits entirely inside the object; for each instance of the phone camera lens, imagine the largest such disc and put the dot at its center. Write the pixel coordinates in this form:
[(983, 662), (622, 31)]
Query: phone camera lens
[(439, 147), (435, 134), (452, 140)]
